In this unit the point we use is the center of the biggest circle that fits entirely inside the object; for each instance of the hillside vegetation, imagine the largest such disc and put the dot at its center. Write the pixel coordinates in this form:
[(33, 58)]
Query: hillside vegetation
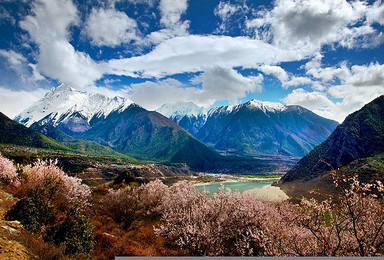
[(361, 135)]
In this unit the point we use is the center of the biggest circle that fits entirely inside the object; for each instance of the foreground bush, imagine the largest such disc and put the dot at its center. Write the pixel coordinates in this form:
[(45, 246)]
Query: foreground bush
[(130, 203), (230, 223), (74, 232), (8, 174), (53, 204), (352, 226), (31, 213), (45, 179), (234, 224)]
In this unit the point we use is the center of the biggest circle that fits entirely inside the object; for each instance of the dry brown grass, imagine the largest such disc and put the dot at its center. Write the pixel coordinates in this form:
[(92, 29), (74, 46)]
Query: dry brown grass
[(36, 245), (140, 240)]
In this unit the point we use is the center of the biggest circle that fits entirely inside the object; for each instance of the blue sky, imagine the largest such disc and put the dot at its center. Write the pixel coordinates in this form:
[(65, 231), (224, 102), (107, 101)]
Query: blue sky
[(326, 55)]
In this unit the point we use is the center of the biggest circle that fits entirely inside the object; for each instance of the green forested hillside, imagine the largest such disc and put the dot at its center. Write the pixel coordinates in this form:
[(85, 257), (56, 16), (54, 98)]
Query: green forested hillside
[(12, 132), (361, 135)]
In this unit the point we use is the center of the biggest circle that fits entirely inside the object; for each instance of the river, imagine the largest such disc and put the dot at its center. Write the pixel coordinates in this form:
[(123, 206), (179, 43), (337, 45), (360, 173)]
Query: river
[(262, 188)]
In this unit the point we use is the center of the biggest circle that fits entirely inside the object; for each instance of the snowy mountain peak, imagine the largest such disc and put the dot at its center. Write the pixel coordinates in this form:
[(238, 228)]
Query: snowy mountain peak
[(253, 104), (220, 110), (187, 114), (60, 103), (265, 105), (181, 109), (62, 89)]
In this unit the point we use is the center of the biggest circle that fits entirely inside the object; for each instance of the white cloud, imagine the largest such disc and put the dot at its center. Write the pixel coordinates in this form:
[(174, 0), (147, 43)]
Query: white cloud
[(297, 81), (5, 16), (59, 60), (319, 103), (51, 19), (358, 86), (109, 27), (357, 75), (107, 91), (366, 76), (35, 73), (200, 53), (227, 84), (171, 11), (285, 79), (217, 84), (48, 26), (225, 10), (18, 63), (13, 57), (276, 71), (13, 102), (327, 74), (162, 35), (311, 100), (376, 13), (313, 23), (150, 3)]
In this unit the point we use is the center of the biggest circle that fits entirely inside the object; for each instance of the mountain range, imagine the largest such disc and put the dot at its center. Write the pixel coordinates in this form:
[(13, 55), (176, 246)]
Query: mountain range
[(66, 114), (253, 128), (183, 133)]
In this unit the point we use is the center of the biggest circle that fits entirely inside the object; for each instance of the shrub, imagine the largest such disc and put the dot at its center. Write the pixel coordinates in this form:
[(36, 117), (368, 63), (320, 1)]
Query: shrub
[(31, 213), (74, 231), (8, 174), (151, 197), (121, 205), (127, 204), (225, 224), (353, 225), (46, 180), (126, 176), (234, 224), (230, 223), (54, 202)]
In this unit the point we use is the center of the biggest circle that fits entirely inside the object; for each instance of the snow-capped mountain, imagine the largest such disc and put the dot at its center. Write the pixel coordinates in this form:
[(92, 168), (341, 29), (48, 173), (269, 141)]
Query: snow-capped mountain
[(265, 106), (176, 111), (66, 114), (64, 104), (187, 114), (257, 127)]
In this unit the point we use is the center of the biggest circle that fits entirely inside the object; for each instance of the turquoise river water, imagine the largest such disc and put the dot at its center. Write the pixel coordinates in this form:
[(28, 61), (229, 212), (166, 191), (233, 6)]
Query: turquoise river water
[(241, 186)]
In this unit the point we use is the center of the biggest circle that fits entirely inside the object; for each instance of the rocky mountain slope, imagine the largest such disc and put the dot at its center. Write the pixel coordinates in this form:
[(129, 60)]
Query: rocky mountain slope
[(361, 135), (257, 128)]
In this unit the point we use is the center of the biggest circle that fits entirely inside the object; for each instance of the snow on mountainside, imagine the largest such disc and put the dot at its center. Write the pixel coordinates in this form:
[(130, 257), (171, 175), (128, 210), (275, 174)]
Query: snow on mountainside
[(188, 115), (176, 111), (265, 106), (253, 104), (60, 103)]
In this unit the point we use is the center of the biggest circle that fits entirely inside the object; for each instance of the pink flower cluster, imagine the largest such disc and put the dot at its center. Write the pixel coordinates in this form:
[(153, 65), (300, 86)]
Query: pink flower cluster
[(47, 180), (230, 223), (126, 205), (8, 174), (45, 177)]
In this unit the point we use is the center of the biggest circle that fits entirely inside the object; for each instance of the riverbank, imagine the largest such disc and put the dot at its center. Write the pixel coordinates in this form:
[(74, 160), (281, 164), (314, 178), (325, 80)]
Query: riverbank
[(261, 187), (269, 192), (232, 179)]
